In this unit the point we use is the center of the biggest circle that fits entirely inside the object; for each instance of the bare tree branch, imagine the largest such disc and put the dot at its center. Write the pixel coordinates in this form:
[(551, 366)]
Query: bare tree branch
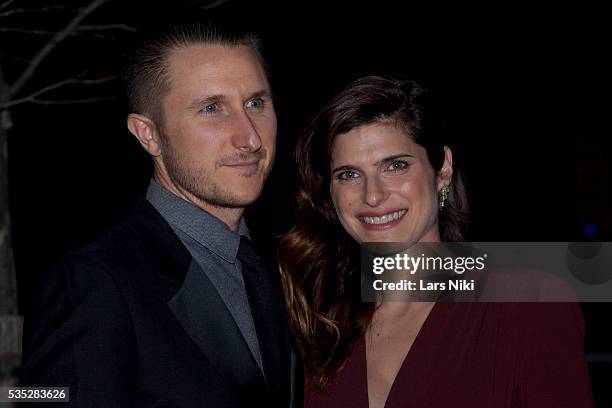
[(6, 4), (39, 10), (211, 4), (25, 31), (50, 46), (33, 97), (14, 58), (105, 37), (101, 27), (73, 101)]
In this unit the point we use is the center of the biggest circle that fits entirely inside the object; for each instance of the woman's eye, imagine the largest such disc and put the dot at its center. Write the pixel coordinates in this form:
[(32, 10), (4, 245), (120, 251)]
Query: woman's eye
[(255, 103), (397, 165), (347, 175)]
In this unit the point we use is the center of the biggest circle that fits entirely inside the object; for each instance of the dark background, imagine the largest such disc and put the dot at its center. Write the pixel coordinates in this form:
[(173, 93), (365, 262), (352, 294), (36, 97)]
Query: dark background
[(527, 92)]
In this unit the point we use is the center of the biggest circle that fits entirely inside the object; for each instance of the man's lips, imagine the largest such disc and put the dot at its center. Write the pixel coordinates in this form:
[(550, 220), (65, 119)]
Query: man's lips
[(247, 165), (381, 219)]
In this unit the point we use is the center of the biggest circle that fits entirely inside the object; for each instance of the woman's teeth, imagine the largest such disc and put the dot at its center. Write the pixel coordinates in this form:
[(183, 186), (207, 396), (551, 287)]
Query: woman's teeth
[(383, 219)]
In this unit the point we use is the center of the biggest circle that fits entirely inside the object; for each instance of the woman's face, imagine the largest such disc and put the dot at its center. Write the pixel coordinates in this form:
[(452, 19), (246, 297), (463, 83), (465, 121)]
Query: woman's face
[(383, 187)]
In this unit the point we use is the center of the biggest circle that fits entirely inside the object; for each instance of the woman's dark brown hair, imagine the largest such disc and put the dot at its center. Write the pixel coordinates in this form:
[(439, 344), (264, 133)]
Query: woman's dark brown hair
[(318, 259)]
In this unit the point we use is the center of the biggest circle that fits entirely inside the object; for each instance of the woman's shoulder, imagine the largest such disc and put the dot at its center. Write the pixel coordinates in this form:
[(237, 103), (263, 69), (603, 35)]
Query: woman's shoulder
[(522, 323), (532, 326), (540, 316)]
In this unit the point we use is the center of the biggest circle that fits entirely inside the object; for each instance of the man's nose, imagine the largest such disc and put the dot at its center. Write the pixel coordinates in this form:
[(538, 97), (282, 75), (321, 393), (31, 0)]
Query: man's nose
[(245, 135), (375, 192)]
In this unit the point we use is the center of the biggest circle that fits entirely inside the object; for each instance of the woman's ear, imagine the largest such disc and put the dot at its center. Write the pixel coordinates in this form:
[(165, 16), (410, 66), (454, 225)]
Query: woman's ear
[(445, 174)]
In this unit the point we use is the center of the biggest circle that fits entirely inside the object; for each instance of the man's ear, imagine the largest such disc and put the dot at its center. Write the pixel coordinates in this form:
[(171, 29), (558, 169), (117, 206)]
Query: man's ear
[(445, 174), (146, 132)]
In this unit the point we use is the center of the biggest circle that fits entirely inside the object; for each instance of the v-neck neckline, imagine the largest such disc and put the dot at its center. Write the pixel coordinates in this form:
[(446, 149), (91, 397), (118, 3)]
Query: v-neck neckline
[(423, 333)]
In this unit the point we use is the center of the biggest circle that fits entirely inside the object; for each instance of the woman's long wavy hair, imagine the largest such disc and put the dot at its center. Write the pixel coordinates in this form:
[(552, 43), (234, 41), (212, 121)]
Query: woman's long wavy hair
[(318, 259)]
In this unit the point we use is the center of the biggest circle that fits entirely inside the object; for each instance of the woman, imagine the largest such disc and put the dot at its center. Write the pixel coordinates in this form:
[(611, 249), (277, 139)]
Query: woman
[(374, 166)]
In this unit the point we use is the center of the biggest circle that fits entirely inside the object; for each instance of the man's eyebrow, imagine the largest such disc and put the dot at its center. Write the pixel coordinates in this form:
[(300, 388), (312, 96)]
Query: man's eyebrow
[(199, 103), (264, 93)]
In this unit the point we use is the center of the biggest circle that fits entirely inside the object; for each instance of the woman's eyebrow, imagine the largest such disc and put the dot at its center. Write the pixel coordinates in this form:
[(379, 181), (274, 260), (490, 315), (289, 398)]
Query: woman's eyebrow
[(344, 167), (391, 158)]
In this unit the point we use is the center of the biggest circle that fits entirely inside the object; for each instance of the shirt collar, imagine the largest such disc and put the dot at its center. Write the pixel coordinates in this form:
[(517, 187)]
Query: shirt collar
[(203, 227)]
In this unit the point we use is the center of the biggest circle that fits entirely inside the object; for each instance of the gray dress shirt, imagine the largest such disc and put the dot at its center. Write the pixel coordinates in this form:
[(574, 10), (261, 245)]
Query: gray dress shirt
[(214, 247)]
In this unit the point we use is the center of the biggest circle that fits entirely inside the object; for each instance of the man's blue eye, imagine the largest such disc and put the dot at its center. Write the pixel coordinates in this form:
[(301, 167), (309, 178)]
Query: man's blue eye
[(255, 103), (212, 108)]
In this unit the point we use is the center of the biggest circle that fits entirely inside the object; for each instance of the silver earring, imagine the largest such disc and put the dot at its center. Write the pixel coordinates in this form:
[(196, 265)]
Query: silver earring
[(443, 196)]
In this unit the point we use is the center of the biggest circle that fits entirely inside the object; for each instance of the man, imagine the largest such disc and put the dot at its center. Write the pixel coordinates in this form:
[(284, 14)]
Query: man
[(173, 307)]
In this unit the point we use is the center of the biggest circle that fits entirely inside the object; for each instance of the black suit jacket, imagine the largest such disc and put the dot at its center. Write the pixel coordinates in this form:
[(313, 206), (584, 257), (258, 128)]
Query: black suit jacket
[(130, 320)]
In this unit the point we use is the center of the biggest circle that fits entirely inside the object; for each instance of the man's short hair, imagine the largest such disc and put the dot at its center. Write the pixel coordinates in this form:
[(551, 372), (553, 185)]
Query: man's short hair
[(145, 73)]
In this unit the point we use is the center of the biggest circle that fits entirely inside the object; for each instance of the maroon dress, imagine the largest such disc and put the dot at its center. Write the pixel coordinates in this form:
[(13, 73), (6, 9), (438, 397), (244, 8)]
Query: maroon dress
[(473, 355)]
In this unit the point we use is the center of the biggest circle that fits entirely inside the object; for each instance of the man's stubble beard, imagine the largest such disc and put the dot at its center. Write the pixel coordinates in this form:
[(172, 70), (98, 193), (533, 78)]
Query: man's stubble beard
[(197, 180)]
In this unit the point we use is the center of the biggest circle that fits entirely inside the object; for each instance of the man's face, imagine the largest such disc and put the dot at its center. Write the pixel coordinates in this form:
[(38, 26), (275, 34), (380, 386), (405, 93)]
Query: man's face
[(218, 131)]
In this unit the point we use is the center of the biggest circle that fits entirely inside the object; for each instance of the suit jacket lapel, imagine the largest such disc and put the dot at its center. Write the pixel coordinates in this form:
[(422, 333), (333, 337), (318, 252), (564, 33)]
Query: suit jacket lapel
[(205, 317), (195, 302)]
